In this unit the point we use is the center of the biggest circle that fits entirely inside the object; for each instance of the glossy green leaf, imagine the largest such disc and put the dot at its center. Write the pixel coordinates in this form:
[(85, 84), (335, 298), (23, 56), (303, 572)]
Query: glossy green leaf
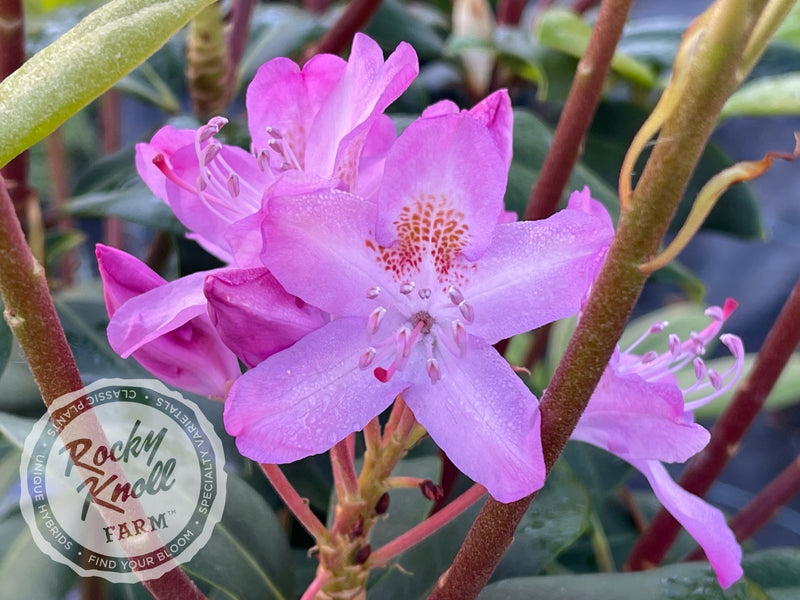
[(248, 555), (59, 243), (789, 30), (136, 204), (532, 140), (597, 470), (393, 23), (564, 30), (654, 40), (79, 66), (15, 429), (765, 97), (26, 571), (147, 86), (276, 30), (784, 394), (684, 581), (774, 568), (677, 274), (18, 390), (557, 517)]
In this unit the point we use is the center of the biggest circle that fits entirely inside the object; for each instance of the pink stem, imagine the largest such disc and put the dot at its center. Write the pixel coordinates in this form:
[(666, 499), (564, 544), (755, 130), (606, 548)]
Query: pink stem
[(294, 502), (344, 471), (432, 524)]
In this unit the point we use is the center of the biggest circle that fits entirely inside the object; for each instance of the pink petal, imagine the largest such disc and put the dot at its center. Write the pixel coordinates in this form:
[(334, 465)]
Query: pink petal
[(433, 166), (287, 99), (486, 421), (368, 85), (704, 523), (535, 272), (305, 399), (640, 420), (188, 354), (582, 200), (315, 245), (243, 301), (496, 114), (160, 310)]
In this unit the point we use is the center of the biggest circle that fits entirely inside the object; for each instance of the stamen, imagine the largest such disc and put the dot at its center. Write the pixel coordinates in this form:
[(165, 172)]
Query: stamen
[(466, 311), (366, 358), (262, 158), (209, 153), (715, 312), (273, 133), (212, 128), (460, 337), (674, 344), (200, 185), (374, 320), (373, 292), (425, 293), (699, 368), (402, 342), (407, 288), (657, 327), (233, 185), (715, 379), (649, 357), (455, 295), (433, 370)]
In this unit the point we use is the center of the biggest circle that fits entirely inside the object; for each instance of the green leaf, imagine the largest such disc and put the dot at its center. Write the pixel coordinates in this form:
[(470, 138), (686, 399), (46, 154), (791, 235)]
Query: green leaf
[(675, 273), (532, 139), (557, 517), (564, 30), (18, 390), (784, 394), (26, 572), (146, 85), (393, 23), (789, 31), (765, 97), (683, 318), (276, 30), (136, 204), (774, 568), (248, 555), (15, 429), (59, 243), (685, 581), (654, 40), (58, 81)]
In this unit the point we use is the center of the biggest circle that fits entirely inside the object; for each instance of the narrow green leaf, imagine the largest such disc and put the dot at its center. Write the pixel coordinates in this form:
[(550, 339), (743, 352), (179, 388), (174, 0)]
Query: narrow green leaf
[(765, 97), (136, 204), (83, 63)]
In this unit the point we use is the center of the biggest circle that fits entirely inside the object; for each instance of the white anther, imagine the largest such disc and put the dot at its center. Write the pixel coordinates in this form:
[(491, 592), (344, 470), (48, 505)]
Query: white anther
[(233, 185), (455, 295), (460, 336), (209, 153), (466, 311), (699, 368), (715, 379), (425, 293), (407, 288), (374, 320), (366, 358), (373, 292), (649, 357), (273, 133), (433, 370)]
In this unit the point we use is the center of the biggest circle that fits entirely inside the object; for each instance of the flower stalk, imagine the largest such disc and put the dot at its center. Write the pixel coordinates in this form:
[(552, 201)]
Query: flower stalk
[(716, 59)]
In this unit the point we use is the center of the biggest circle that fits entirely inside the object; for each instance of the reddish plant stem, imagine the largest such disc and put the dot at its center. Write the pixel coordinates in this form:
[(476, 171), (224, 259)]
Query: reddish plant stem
[(355, 16), (509, 12), (57, 166), (12, 55), (113, 234), (344, 471), (761, 509), (429, 526), (294, 502), (703, 470), (584, 95), (316, 6), (541, 337), (238, 32), (581, 6), (31, 315), (685, 132)]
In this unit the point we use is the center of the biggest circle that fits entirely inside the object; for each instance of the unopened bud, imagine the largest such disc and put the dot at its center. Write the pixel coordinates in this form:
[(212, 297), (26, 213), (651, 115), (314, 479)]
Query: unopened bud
[(363, 554), (431, 491), (383, 504)]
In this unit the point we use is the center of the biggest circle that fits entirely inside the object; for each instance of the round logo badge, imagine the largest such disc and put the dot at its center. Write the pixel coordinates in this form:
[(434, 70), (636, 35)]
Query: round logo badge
[(123, 480)]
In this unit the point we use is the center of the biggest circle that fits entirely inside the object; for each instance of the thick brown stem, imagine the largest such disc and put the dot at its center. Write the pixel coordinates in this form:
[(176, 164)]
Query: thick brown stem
[(584, 95)]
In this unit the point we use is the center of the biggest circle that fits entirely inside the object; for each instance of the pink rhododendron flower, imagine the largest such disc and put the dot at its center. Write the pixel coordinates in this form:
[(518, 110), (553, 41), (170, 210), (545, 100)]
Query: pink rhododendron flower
[(176, 341), (640, 413), (422, 282), (322, 123)]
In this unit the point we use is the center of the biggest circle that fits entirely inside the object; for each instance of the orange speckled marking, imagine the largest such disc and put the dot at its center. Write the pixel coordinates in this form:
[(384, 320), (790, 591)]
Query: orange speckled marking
[(430, 232)]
